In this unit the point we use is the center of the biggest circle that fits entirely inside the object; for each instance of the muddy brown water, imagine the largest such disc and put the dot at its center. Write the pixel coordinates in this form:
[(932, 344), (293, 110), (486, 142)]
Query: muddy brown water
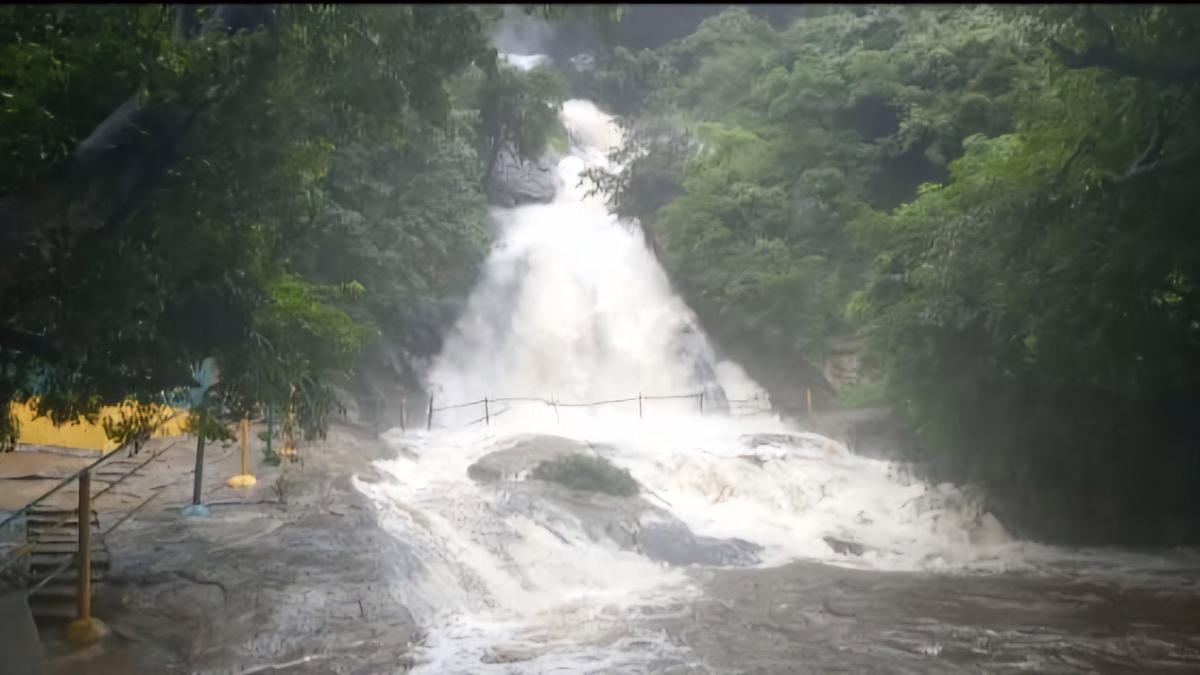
[(812, 618)]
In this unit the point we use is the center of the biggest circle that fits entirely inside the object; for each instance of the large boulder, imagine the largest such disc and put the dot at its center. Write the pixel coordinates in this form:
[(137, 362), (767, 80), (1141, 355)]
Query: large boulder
[(672, 542), (516, 462), (514, 182), (628, 520)]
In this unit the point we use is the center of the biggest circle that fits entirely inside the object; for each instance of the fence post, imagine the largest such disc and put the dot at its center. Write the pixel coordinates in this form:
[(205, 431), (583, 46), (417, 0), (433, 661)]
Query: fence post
[(84, 630), (487, 415), (808, 400), (403, 413), (554, 402), (196, 509), (701, 403), (429, 417), (639, 405)]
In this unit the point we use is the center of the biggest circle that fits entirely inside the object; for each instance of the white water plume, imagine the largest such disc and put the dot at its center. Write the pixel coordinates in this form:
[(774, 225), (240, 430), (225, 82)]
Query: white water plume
[(572, 307)]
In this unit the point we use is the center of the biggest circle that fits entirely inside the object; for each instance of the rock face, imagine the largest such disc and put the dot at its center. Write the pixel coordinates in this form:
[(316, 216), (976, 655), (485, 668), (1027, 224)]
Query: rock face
[(385, 391), (514, 463), (673, 543), (20, 649), (514, 182), (292, 574), (843, 364), (870, 432), (633, 523)]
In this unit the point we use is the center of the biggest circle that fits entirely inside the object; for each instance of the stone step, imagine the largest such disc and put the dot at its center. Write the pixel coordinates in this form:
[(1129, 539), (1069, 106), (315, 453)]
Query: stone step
[(54, 592), (54, 519), (53, 614), (45, 564), (52, 547), (53, 537)]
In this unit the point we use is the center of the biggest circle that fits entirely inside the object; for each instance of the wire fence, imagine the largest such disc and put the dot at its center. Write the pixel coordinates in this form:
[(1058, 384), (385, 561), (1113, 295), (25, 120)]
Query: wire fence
[(739, 407)]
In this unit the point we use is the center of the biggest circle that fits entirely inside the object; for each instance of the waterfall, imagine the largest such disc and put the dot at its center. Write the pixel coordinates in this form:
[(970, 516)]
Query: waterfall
[(573, 308)]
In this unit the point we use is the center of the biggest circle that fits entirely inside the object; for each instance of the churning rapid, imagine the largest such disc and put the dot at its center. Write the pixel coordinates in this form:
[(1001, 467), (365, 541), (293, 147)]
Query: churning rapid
[(524, 575)]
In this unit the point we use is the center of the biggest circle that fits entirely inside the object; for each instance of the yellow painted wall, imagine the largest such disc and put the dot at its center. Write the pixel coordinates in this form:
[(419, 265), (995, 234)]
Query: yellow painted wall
[(82, 434)]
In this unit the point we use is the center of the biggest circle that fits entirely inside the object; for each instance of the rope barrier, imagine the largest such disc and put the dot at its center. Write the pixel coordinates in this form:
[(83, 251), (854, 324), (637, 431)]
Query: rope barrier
[(556, 404)]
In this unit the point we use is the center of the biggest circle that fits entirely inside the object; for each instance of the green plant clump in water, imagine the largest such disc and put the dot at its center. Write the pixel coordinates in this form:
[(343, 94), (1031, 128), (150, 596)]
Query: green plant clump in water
[(590, 474), (558, 139)]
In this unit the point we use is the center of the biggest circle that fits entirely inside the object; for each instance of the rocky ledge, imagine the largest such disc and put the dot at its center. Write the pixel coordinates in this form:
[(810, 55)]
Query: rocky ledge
[(291, 575)]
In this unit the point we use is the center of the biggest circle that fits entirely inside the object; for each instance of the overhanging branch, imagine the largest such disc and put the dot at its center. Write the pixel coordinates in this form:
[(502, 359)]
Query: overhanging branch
[(1183, 163), (1150, 161), (113, 169), (1107, 56)]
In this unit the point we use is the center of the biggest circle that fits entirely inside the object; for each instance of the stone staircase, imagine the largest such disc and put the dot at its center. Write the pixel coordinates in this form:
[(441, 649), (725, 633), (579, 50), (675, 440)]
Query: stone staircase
[(56, 533)]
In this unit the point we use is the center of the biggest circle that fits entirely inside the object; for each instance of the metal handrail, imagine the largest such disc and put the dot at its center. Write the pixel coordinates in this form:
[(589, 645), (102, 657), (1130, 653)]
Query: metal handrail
[(63, 483), (556, 404), (104, 457), (534, 399), (30, 547)]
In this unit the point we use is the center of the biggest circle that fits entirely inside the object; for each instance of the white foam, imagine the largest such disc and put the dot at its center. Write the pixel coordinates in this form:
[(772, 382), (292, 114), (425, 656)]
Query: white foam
[(573, 307), (524, 61)]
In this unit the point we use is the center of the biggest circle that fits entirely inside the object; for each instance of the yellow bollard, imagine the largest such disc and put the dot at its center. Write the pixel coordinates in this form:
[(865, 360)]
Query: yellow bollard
[(244, 479), (289, 434), (85, 630)]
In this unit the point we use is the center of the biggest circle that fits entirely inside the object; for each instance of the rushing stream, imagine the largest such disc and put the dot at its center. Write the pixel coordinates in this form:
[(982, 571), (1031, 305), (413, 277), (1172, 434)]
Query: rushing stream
[(745, 532)]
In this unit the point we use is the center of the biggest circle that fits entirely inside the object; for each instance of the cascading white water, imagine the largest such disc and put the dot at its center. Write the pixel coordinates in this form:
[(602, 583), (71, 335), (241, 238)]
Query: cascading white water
[(572, 304), (573, 307)]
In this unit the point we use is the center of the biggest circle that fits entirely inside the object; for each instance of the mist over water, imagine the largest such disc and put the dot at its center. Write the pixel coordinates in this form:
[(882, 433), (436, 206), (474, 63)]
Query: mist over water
[(572, 307)]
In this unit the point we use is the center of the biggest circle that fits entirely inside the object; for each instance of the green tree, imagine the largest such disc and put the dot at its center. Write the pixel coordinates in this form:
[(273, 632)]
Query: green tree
[(993, 196), (182, 238)]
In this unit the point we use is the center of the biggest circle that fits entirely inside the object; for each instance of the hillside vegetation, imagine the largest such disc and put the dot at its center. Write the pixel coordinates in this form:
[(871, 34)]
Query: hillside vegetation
[(998, 199)]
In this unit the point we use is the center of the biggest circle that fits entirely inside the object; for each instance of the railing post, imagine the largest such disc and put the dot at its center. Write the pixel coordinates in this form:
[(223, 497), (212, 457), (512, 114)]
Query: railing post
[(701, 403), (429, 418), (85, 545), (554, 402), (487, 414), (197, 509), (639, 405), (403, 414), (198, 479), (84, 630)]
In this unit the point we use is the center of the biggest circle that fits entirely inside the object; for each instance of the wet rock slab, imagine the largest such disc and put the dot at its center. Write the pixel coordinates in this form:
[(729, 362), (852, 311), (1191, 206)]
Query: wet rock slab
[(633, 523), (515, 182), (812, 618), (295, 578)]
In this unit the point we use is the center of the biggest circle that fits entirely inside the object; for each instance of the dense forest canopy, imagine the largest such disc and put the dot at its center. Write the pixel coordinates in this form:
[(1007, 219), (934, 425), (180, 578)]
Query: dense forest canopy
[(995, 200), (274, 187)]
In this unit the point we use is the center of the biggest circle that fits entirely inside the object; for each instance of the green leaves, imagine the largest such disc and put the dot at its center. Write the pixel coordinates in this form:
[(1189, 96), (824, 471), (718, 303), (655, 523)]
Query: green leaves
[(929, 178), (220, 255), (518, 112)]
